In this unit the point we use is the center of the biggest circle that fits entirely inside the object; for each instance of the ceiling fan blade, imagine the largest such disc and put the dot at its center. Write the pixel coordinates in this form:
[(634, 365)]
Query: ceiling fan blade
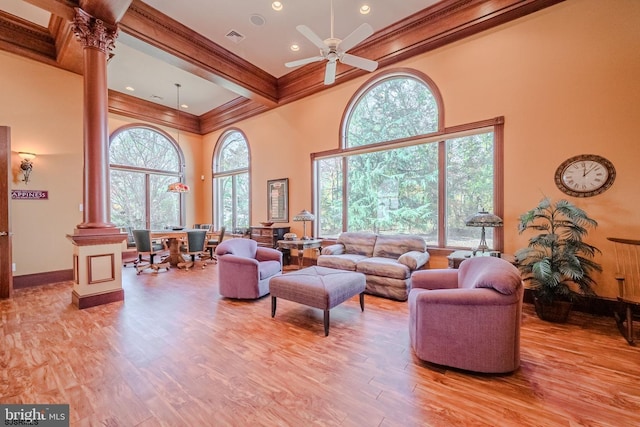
[(357, 36), (330, 73), (303, 61), (356, 61), (313, 38)]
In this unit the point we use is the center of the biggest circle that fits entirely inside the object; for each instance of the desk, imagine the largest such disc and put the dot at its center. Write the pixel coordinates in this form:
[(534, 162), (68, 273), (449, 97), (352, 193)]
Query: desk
[(173, 238), (455, 258), (300, 245)]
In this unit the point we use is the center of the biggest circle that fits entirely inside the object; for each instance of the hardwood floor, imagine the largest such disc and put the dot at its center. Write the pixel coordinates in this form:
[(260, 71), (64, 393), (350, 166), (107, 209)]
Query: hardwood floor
[(175, 353)]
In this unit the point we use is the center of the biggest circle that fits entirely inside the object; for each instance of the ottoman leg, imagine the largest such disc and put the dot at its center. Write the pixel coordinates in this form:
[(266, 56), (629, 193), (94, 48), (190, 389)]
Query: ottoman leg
[(326, 323), (273, 306), (362, 301)]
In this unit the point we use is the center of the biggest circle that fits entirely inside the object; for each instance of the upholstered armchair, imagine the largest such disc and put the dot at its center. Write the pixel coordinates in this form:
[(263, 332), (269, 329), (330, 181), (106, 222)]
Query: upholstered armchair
[(468, 318), (244, 268)]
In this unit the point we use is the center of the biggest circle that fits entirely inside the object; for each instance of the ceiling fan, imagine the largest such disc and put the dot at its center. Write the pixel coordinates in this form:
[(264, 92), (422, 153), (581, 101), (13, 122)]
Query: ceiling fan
[(334, 50)]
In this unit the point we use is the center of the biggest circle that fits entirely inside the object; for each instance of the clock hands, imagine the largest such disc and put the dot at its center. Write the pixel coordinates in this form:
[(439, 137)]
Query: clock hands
[(589, 171)]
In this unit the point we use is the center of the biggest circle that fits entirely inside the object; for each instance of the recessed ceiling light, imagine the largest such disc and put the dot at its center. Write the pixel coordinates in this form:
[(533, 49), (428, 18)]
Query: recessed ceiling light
[(364, 9), (184, 106), (129, 88), (294, 47), (276, 5)]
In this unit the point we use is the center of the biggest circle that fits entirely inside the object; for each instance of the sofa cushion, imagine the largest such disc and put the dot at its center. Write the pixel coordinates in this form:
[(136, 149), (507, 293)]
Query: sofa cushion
[(393, 246), (337, 249), (358, 243), (384, 267), (414, 259), (341, 262)]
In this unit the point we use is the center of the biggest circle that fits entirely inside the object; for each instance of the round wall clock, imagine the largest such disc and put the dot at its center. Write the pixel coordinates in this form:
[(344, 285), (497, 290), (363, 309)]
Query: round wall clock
[(585, 175)]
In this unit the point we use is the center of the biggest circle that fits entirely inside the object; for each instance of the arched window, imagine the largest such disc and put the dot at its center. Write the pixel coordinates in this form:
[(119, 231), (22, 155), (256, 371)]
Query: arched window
[(231, 185), (399, 170), (143, 162)]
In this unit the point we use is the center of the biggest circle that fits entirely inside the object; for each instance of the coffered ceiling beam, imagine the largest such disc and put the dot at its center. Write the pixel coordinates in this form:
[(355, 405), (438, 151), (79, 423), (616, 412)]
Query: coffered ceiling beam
[(436, 26), (172, 42), (110, 11)]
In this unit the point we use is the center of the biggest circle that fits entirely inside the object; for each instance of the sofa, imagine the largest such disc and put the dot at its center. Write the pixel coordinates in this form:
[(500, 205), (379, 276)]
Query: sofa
[(468, 318), (387, 261)]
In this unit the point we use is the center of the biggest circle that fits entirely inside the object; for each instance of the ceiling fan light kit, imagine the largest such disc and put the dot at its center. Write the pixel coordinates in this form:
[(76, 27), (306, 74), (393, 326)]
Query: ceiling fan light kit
[(334, 50)]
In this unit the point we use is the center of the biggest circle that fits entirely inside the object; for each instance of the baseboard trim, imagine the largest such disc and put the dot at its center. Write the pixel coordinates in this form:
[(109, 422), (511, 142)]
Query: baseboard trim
[(590, 305), (88, 301), (38, 279)]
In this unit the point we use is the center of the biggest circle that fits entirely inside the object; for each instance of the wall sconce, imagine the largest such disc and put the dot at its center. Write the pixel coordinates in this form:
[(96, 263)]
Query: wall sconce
[(26, 166)]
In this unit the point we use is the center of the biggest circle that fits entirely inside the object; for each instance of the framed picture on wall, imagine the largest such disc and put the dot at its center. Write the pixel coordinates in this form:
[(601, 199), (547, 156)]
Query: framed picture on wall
[(278, 200)]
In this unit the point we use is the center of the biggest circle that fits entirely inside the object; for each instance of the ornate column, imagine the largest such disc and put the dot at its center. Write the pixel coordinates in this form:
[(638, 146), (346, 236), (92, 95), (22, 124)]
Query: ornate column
[(97, 39), (97, 258)]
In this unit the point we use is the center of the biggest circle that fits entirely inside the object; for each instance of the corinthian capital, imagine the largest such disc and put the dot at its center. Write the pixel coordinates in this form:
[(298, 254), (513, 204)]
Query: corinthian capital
[(93, 32)]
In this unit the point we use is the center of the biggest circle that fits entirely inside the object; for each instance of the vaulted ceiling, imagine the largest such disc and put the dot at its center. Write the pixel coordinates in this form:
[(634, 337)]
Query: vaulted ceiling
[(228, 56)]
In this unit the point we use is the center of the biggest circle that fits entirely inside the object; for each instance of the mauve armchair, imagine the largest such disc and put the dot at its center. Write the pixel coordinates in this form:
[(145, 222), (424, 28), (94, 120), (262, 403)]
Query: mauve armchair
[(244, 268), (468, 318)]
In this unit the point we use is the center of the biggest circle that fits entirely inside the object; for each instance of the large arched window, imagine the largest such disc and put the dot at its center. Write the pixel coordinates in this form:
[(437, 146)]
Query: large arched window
[(231, 185), (399, 170), (143, 162)]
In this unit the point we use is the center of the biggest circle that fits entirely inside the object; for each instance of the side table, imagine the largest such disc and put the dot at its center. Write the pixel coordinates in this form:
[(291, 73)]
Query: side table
[(300, 245), (455, 258)]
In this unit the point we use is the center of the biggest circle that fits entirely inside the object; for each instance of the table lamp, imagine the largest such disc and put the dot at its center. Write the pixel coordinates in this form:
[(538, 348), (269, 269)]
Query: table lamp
[(483, 219), (304, 216)]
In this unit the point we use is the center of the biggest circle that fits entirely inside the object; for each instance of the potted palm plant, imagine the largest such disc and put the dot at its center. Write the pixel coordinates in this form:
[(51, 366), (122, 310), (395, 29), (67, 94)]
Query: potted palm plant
[(557, 264)]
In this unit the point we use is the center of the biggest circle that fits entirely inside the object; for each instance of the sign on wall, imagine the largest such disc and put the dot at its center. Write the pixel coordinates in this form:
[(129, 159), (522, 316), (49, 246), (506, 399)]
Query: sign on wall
[(29, 195)]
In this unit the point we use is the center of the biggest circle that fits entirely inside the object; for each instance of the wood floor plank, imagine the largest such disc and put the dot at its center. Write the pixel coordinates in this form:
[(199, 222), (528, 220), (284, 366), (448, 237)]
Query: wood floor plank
[(175, 353)]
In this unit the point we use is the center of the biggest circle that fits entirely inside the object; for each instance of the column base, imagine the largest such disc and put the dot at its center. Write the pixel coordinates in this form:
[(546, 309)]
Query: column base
[(86, 301)]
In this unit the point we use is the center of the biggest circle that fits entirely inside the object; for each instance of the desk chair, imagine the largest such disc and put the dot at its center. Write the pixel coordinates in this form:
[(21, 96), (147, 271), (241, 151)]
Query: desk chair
[(127, 255), (212, 244), (194, 245), (146, 246)]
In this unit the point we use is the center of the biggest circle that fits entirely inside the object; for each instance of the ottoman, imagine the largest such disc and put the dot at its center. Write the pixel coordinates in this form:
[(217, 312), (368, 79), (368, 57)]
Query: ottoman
[(318, 287)]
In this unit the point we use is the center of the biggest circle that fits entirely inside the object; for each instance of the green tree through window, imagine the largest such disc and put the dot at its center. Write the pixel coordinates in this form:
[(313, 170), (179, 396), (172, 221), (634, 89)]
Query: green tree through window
[(398, 168), (231, 182), (143, 162)]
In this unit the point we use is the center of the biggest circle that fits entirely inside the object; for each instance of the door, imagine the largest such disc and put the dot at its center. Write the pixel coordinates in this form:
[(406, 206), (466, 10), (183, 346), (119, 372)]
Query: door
[(6, 274)]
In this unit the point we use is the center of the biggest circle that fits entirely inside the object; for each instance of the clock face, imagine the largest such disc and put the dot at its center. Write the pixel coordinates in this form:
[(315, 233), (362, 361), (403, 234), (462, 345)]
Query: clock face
[(585, 175)]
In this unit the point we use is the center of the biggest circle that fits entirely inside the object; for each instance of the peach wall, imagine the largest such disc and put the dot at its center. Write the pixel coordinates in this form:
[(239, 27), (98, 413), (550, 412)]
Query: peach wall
[(43, 107), (564, 78)]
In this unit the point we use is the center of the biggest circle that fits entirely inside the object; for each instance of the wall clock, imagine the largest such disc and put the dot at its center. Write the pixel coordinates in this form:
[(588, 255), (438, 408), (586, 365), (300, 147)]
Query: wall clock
[(585, 175)]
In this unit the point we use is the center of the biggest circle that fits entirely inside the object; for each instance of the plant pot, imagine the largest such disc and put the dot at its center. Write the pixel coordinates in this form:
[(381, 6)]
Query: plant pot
[(556, 311)]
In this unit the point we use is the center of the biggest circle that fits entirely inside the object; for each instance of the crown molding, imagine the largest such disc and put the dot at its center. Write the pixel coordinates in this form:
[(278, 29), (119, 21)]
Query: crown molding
[(172, 41), (258, 91), (139, 109)]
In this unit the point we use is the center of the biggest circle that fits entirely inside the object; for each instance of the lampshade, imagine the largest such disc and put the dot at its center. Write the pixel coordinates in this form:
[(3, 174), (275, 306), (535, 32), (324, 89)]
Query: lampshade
[(26, 156), (178, 187), (304, 215), (484, 219)]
